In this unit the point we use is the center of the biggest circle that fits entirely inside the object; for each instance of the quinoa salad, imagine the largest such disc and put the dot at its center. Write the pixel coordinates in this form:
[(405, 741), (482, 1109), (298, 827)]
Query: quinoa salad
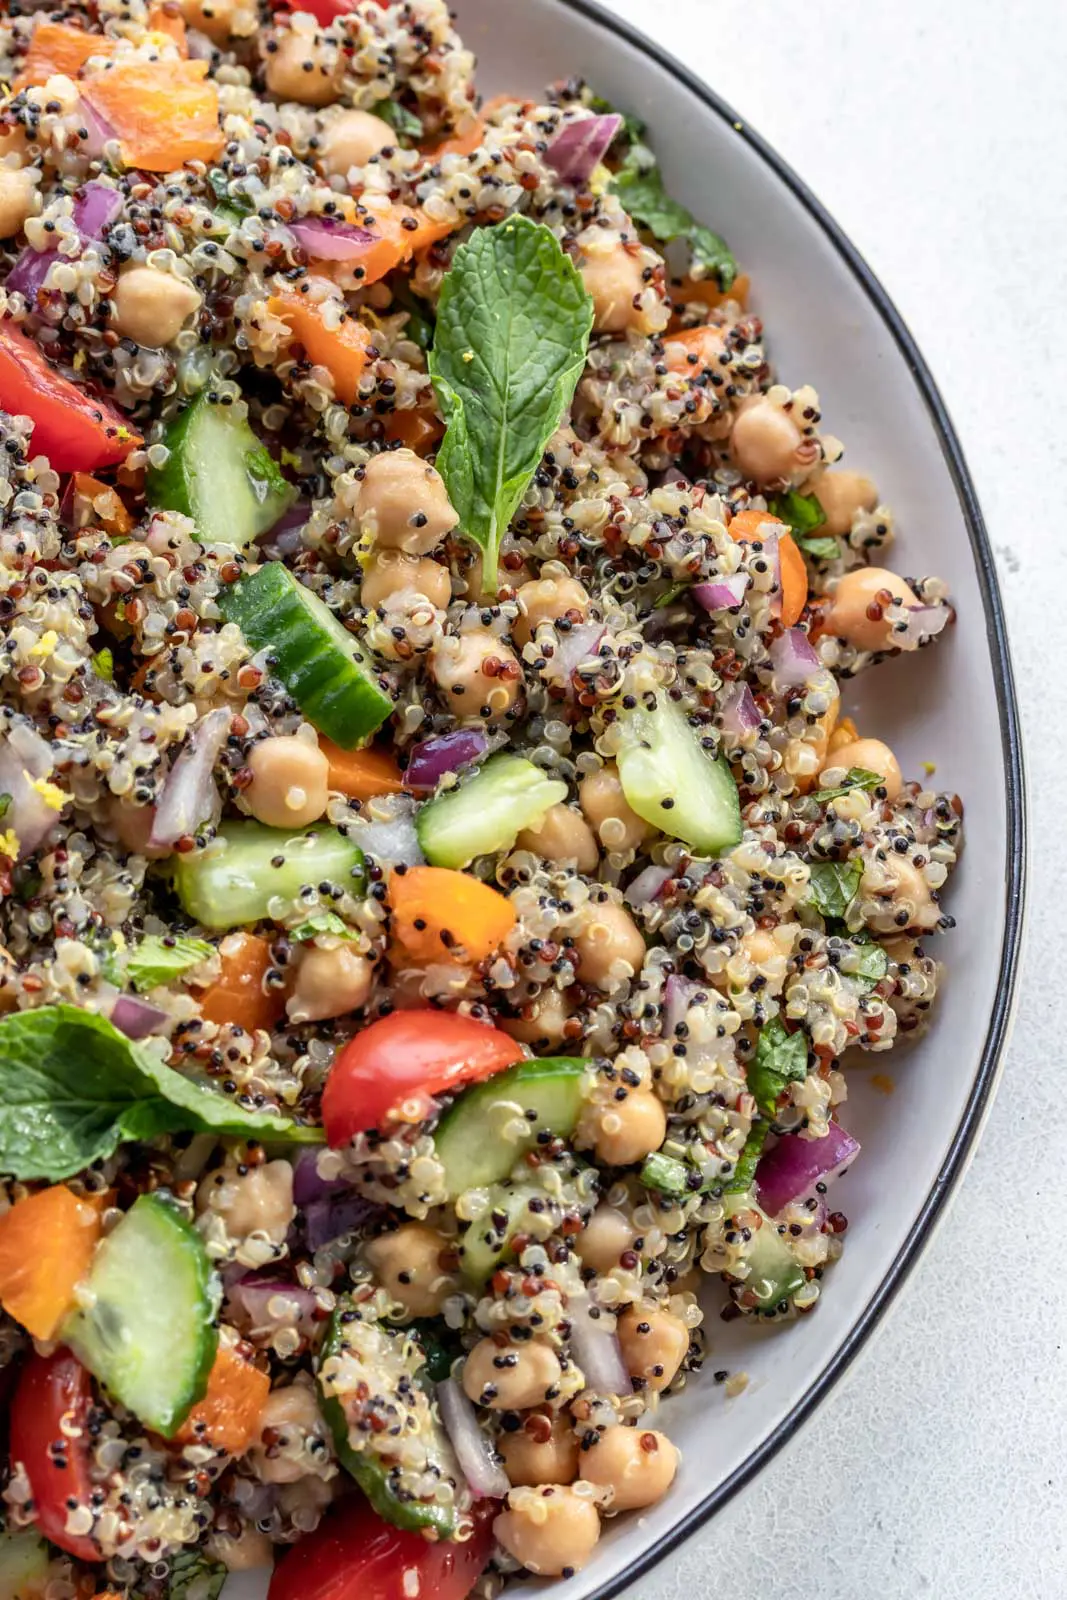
[(441, 892)]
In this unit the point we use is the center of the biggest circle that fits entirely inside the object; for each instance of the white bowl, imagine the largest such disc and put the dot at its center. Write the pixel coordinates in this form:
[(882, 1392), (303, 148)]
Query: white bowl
[(830, 323)]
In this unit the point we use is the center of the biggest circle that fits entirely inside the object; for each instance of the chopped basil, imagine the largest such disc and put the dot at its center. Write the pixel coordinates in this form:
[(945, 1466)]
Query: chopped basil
[(639, 186), (780, 1058), (232, 207), (833, 886), (855, 778), (669, 595), (802, 512), (866, 960), (826, 548)]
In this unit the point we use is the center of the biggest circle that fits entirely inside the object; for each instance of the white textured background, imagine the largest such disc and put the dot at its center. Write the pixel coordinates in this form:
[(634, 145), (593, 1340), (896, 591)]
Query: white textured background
[(936, 133)]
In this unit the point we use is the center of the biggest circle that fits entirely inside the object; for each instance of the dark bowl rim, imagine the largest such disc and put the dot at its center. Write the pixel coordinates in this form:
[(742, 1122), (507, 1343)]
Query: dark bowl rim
[(981, 1095)]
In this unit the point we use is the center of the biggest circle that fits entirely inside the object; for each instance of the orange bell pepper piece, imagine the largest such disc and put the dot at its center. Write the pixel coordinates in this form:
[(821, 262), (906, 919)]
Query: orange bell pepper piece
[(746, 527), (46, 1245), (164, 113), (164, 17), (463, 142), (228, 1415), (58, 49), (341, 350), (238, 996), (707, 292), (442, 915), (399, 234), (417, 429), (102, 504), (361, 774), (706, 343)]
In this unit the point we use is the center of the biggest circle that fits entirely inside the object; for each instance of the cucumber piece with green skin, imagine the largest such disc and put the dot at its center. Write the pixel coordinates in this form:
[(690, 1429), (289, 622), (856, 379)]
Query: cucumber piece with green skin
[(219, 474), (672, 782), (147, 1329), (546, 1095), (774, 1272), (487, 813), (314, 655), (247, 866), (24, 1565), (385, 1403)]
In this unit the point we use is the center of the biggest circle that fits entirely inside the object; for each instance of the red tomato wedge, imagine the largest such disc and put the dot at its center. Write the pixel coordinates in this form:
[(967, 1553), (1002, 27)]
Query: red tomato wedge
[(76, 431), (407, 1057), (53, 1394), (354, 1555)]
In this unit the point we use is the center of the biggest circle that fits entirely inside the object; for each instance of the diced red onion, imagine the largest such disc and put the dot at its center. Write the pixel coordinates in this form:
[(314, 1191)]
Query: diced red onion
[(135, 1017), (285, 538), (772, 555), (189, 797), (253, 1295), (447, 752), (95, 208), (328, 239), (579, 148), (308, 1185), (647, 885), (796, 1165), (477, 1459), (575, 645), (596, 1350), (740, 712), (28, 274), (678, 995), (326, 1220), (721, 594), (99, 129), (793, 658), (24, 758)]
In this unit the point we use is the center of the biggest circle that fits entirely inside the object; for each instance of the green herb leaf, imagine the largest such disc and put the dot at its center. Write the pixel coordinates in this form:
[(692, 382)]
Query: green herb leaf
[(194, 1576), (513, 325), (404, 123), (780, 1058), (669, 595), (323, 922), (5, 805), (826, 548), (855, 778), (833, 886), (72, 1088), (157, 961), (802, 512), (234, 207), (639, 186), (103, 664), (744, 1174), (866, 960), (266, 477)]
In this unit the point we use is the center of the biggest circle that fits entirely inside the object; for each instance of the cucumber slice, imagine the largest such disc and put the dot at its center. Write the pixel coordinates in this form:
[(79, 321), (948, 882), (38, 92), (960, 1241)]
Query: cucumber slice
[(547, 1094), (24, 1565), (673, 782), (247, 867), (775, 1273), (380, 1415), (317, 659), (147, 1331), (219, 474), (487, 813)]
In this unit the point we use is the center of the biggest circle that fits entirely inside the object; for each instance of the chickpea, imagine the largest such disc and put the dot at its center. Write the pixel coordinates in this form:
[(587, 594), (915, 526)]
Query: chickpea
[(250, 1199), (403, 503), (607, 811), (18, 198), (213, 17), (903, 892), (609, 936), (562, 835), (873, 756), (613, 273), (250, 1549), (654, 1345), (290, 784), (543, 1451), (552, 1531), (303, 67), (152, 307), (857, 614), (511, 1377), (15, 143), (477, 674), (351, 140), (606, 1235), (330, 982), (292, 1435), (624, 1131), (637, 1464), (546, 1023), (759, 947), (407, 1263), (841, 494), (392, 573), (766, 444), (546, 600)]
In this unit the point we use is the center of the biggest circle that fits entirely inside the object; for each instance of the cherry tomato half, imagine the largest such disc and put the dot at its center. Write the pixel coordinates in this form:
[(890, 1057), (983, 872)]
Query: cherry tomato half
[(324, 11), (408, 1056), (54, 1394), (76, 431), (354, 1555)]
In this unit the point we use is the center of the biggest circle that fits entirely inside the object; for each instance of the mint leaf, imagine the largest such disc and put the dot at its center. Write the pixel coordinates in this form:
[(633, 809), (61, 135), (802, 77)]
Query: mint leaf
[(855, 778), (103, 664), (826, 548), (322, 922), (72, 1088), (194, 1576), (513, 325), (780, 1058), (404, 123), (235, 207), (833, 886), (744, 1174), (866, 960), (802, 512), (157, 961), (639, 186)]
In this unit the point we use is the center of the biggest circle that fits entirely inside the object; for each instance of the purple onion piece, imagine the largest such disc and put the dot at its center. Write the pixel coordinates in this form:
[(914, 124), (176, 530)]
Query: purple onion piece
[(447, 752), (28, 274), (264, 1302), (99, 129), (795, 1165), (135, 1017), (647, 885), (95, 209), (286, 537), (740, 712), (596, 1350), (678, 995), (24, 758), (721, 594), (579, 147), (793, 658), (327, 239), (477, 1459), (307, 1184), (189, 797), (326, 1220)]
